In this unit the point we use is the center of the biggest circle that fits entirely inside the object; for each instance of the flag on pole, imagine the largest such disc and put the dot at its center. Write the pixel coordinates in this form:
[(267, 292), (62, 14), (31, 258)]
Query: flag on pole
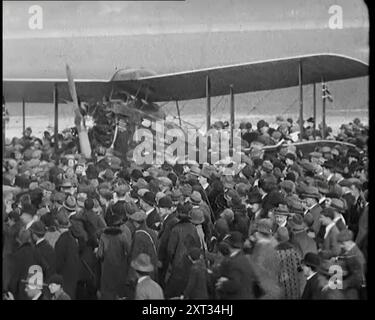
[(325, 92)]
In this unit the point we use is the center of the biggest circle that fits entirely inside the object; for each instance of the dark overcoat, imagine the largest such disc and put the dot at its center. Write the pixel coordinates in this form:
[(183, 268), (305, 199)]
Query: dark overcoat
[(67, 261)]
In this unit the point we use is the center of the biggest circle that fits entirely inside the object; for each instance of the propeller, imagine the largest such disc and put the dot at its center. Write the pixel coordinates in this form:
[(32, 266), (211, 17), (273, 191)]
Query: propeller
[(84, 141)]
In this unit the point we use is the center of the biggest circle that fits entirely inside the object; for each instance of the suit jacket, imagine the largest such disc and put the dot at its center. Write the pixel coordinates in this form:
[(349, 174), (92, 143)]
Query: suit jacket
[(148, 289), (241, 278), (313, 288), (331, 247), (47, 253)]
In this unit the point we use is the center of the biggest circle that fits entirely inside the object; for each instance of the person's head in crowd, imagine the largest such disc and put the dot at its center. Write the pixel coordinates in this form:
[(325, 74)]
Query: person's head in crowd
[(242, 125), (283, 151), (89, 204), (12, 218), (282, 234), (310, 264), (38, 231), (254, 201), (281, 214), (138, 218), (266, 186), (263, 230), (266, 167), (290, 158), (147, 201), (28, 212), (56, 284), (177, 197), (228, 215), (345, 240), (27, 133), (310, 196), (68, 187), (291, 176), (287, 187), (81, 198), (142, 265), (327, 216), (234, 241), (37, 144), (166, 206), (120, 192), (262, 127), (194, 254), (326, 152), (47, 188)]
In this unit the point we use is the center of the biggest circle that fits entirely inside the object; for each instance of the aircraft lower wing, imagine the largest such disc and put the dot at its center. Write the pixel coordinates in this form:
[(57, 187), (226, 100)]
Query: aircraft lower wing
[(244, 77)]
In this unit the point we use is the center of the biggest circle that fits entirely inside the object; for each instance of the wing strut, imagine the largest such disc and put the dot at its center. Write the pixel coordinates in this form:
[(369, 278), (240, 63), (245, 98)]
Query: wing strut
[(178, 112), (300, 79), (208, 97), (231, 91), (56, 103)]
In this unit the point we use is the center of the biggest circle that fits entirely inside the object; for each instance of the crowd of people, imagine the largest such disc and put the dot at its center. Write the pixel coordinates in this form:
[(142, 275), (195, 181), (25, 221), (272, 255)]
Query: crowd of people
[(288, 225)]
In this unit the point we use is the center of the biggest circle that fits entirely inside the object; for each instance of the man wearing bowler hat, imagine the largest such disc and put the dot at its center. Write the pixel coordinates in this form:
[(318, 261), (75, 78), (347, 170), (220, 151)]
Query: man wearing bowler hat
[(314, 285), (147, 203), (44, 249)]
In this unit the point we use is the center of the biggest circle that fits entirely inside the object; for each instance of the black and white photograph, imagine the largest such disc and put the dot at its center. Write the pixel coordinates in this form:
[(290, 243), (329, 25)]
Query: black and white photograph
[(208, 150)]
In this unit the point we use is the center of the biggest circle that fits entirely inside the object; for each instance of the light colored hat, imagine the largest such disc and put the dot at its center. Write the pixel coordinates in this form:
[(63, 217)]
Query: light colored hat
[(142, 263), (138, 216)]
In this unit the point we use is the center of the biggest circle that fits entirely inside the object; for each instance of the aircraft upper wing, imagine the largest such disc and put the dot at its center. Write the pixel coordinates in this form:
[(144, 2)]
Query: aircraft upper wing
[(244, 77), (41, 90)]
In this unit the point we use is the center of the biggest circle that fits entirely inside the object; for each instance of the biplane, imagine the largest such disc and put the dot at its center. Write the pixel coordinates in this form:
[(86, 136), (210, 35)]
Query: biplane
[(135, 93)]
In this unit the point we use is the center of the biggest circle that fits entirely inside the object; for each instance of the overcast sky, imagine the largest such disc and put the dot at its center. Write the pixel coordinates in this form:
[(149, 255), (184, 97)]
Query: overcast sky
[(77, 18)]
